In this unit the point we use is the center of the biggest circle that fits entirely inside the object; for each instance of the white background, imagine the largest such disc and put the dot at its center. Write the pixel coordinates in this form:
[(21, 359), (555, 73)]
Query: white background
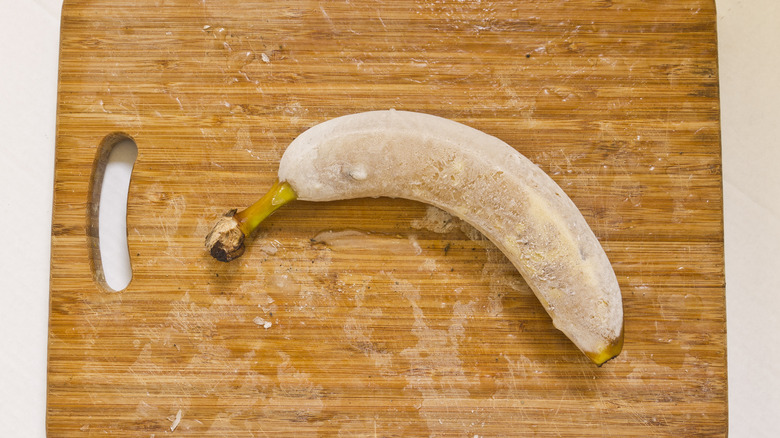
[(749, 37)]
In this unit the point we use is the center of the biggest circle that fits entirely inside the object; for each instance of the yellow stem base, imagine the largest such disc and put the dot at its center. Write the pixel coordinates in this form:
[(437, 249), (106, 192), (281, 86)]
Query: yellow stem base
[(281, 193)]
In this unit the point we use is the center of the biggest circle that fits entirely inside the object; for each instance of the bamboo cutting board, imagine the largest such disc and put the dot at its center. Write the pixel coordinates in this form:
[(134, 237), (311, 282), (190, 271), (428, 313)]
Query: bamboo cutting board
[(382, 317)]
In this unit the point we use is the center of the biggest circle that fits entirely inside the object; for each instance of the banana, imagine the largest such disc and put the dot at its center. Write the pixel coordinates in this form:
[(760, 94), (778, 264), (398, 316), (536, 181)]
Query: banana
[(469, 174)]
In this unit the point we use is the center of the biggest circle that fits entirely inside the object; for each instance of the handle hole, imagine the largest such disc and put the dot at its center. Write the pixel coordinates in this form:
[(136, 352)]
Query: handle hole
[(112, 255)]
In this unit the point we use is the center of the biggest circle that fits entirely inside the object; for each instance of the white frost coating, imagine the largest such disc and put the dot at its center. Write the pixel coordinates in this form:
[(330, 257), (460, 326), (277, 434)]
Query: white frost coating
[(485, 182)]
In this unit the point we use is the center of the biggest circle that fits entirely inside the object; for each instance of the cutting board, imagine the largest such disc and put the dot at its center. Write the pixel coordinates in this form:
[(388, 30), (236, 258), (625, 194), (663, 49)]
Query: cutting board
[(382, 317)]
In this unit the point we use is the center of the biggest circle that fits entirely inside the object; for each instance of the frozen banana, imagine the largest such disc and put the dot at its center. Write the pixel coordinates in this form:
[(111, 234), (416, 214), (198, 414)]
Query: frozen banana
[(469, 174)]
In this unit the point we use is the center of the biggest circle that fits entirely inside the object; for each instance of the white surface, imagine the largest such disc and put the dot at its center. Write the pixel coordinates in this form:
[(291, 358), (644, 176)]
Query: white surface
[(28, 92), (750, 102), (112, 216), (749, 36)]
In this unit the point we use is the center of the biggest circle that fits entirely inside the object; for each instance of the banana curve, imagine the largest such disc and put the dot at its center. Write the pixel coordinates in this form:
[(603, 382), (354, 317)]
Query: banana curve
[(483, 181)]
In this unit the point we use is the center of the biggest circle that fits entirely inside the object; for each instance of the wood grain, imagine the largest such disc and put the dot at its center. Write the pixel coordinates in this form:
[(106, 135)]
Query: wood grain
[(408, 325)]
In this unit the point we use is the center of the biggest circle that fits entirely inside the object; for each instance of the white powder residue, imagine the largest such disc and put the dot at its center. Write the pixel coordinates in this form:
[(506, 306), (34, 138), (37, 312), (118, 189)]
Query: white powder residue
[(175, 420), (436, 220), (263, 323), (415, 245), (270, 248), (428, 265)]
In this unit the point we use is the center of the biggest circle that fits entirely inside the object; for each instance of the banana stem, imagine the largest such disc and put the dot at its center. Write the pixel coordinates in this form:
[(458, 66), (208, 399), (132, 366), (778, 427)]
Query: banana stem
[(281, 193), (225, 241)]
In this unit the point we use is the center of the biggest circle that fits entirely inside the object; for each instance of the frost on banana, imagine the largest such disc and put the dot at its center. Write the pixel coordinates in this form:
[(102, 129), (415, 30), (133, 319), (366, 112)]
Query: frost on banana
[(469, 174)]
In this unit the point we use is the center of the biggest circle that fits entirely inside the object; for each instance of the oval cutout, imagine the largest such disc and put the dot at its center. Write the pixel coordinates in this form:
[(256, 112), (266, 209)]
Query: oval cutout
[(111, 255)]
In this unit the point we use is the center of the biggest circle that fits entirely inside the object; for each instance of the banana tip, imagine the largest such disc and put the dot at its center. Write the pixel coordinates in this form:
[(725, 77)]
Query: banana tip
[(225, 241), (609, 352)]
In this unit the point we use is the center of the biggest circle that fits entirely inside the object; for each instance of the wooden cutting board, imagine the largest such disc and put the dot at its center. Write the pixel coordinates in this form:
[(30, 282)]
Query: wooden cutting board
[(387, 318)]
